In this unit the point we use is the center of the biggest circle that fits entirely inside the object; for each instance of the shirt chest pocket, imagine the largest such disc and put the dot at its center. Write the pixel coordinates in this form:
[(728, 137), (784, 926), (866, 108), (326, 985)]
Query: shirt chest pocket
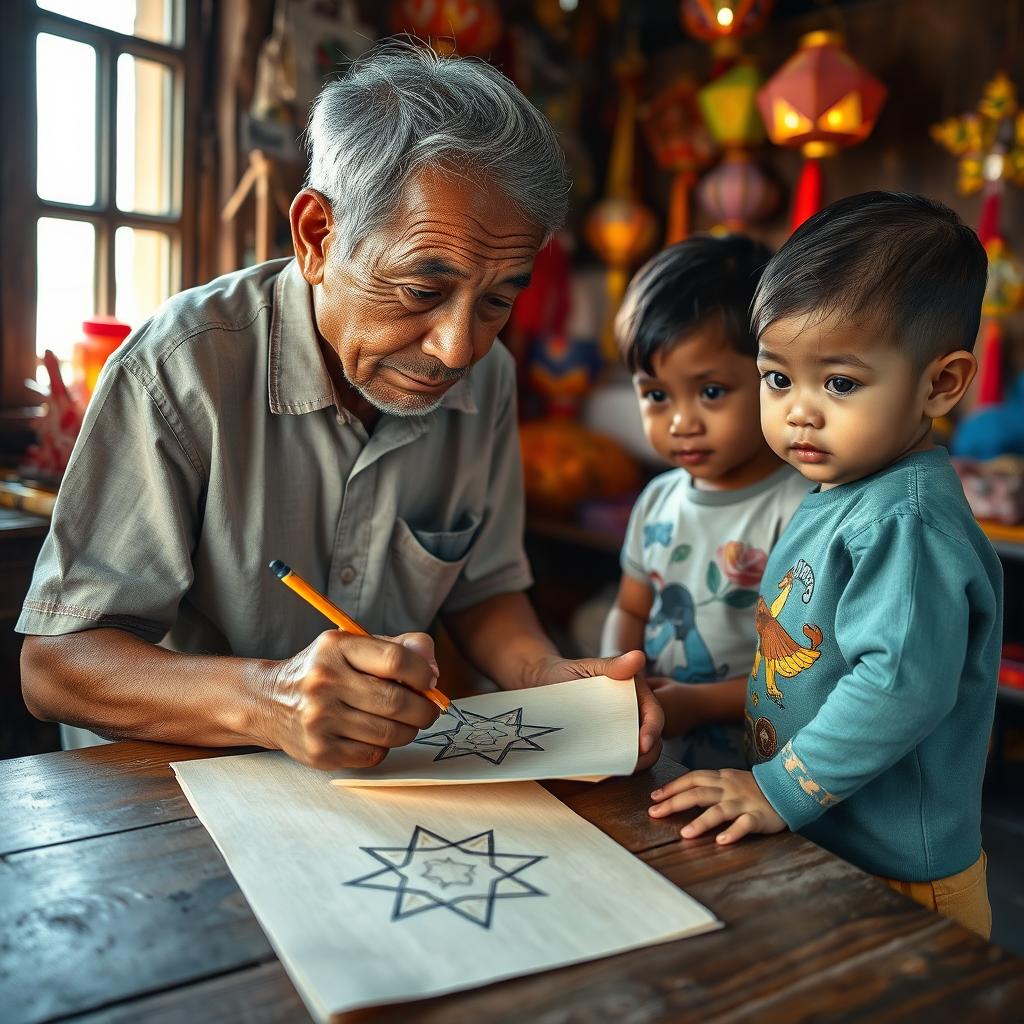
[(424, 565)]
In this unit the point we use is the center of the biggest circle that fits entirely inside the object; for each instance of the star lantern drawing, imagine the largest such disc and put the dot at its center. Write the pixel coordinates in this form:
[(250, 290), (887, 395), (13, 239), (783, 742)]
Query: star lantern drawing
[(490, 738), (466, 876)]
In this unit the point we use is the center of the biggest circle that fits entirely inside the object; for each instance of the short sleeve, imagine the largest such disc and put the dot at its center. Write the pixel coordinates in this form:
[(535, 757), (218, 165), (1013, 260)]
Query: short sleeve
[(124, 526), (497, 563)]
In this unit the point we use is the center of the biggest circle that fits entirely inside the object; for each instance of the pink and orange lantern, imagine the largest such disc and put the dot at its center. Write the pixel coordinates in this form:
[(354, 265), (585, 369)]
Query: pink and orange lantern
[(820, 101), (681, 144), (722, 22), (737, 193), (470, 28)]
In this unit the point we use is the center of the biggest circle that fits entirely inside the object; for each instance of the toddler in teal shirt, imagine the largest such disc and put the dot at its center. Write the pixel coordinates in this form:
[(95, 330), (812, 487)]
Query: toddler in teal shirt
[(879, 621)]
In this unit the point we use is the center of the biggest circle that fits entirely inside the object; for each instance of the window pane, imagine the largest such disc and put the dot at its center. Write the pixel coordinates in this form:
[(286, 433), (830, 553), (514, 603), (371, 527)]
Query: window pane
[(66, 102), (142, 268), (65, 292), (148, 19), (145, 144)]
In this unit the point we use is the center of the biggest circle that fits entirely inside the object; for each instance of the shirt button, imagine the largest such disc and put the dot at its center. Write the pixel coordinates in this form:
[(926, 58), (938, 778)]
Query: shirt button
[(348, 574)]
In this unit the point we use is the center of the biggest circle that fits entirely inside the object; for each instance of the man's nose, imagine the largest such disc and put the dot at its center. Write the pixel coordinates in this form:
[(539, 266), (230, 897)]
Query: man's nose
[(451, 339)]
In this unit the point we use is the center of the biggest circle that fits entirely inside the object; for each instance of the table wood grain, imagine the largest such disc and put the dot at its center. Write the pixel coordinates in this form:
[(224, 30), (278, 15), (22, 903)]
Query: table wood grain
[(116, 906)]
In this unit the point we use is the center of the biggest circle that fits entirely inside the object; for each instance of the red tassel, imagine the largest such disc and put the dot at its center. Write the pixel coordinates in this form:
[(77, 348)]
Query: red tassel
[(679, 209), (809, 190), (991, 207), (990, 374)]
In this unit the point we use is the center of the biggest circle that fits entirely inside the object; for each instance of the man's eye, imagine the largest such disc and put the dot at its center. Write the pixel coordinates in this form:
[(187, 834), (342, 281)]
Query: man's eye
[(499, 303), (775, 380), (655, 395), (421, 294), (713, 392), (841, 385)]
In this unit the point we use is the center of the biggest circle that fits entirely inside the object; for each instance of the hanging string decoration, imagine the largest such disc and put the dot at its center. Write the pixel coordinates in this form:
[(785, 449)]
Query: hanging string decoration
[(621, 229), (989, 145), (681, 144)]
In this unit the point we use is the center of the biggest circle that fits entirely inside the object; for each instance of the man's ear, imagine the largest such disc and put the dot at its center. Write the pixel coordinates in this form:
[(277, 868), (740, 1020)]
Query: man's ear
[(312, 223), (948, 378)]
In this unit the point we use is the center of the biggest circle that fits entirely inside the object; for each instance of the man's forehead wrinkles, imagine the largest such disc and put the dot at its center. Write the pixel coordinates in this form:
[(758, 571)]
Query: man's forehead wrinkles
[(482, 235), (458, 251)]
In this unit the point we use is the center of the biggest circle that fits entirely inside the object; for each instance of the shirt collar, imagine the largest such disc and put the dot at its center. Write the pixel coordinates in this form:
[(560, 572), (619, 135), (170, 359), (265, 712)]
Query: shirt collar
[(298, 381)]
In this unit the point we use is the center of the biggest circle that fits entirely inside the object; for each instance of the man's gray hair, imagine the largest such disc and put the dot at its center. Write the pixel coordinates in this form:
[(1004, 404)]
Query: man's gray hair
[(402, 108)]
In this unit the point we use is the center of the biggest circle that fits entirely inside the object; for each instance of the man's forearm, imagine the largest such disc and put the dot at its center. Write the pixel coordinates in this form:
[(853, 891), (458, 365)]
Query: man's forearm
[(502, 638), (121, 687)]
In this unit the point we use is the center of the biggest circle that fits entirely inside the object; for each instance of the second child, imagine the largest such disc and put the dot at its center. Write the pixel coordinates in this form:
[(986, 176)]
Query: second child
[(699, 535)]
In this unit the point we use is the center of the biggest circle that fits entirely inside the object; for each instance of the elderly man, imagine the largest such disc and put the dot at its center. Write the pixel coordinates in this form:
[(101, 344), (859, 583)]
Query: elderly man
[(347, 411)]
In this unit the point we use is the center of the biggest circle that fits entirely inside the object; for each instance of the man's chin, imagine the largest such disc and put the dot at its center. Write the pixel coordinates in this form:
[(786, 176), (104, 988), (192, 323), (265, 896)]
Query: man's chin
[(398, 403)]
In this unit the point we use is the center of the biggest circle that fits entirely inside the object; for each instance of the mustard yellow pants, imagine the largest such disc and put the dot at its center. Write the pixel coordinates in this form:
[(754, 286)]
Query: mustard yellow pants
[(962, 897)]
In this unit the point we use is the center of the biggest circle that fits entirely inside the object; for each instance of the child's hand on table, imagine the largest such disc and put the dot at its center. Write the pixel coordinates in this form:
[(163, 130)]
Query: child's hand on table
[(728, 795)]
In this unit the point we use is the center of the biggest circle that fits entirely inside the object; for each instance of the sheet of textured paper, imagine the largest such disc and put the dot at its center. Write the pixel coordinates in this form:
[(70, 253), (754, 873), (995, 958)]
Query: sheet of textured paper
[(583, 729), (373, 896)]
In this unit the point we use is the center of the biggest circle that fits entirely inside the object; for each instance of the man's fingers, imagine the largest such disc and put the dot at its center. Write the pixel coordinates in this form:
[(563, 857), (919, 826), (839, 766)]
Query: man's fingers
[(701, 796), (329, 753), (625, 666), (742, 826), (423, 645), (372, 729), (384, 659), (384, 699), (652, 717)]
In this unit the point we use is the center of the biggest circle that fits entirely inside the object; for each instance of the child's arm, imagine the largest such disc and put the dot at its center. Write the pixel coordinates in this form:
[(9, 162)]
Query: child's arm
[(624, 627), (690, 706)]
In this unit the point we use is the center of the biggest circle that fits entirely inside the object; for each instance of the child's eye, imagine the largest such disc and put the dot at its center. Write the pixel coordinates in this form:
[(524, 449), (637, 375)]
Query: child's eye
[(775, 380), (841, 385), (655, 395), (713, 392)]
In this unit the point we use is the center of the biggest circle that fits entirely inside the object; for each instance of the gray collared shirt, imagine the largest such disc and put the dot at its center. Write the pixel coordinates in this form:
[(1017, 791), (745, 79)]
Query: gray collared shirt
[(213, 444)]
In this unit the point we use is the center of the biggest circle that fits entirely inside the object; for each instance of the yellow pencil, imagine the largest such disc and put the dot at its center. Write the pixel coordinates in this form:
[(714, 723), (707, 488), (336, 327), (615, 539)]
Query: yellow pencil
[(290, 578)]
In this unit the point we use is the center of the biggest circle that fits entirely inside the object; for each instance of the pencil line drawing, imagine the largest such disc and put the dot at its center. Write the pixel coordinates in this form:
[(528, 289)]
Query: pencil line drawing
[(489, 738), (468, 876)]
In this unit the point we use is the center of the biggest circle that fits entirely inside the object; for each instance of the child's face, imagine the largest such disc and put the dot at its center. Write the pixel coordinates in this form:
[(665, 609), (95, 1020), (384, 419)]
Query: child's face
[(839, 402), (700, 410)]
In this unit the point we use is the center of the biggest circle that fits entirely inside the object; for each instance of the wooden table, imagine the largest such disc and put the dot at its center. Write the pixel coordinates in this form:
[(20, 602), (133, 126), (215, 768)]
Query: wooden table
[(116, 906)]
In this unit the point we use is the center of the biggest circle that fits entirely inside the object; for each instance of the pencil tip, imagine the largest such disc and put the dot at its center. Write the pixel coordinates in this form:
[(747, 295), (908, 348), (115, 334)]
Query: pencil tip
[(279, 569)]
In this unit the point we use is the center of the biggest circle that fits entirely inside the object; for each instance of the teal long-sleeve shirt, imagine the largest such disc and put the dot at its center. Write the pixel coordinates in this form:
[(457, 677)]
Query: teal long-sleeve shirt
[(872, 701)]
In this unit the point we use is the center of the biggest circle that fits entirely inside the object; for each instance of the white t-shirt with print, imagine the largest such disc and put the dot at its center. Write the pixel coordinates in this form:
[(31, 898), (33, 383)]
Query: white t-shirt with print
[(702, 553)]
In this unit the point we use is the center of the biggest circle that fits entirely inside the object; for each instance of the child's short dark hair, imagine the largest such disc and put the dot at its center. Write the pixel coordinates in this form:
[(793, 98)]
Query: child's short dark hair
[(683, 287), (900, 263)]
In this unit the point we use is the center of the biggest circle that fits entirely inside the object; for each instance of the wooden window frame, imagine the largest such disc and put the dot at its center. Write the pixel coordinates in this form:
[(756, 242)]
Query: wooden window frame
[(20, 205)]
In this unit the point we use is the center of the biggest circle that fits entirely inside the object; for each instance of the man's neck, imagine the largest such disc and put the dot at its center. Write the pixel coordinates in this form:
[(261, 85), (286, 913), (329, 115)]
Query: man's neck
[(345, 396)]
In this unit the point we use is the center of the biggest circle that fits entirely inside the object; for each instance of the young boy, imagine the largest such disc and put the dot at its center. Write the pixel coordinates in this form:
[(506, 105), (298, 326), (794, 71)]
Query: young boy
[(880, 620), (699, 535)]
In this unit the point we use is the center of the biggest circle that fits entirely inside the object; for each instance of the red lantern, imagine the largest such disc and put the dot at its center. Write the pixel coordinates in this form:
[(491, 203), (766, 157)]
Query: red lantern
[(820, 101), (737, 193), (722, 22), (681, 144), (469, 27)]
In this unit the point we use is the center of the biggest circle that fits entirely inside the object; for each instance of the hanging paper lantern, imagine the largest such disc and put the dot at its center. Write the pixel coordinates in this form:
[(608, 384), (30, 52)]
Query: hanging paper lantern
[(722, 22), (820, 101), (729, 106), (467, 27), (620, 229), (681, 144), (736, 193), (621, 232)]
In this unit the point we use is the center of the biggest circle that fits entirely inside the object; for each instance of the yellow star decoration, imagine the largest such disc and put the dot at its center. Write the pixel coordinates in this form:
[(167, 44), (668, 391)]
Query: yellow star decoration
[(989, 141)]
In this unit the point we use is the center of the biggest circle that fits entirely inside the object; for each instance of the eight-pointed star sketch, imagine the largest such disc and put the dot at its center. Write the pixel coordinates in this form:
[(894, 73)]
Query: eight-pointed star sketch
[(468, 883), (489, 738)]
